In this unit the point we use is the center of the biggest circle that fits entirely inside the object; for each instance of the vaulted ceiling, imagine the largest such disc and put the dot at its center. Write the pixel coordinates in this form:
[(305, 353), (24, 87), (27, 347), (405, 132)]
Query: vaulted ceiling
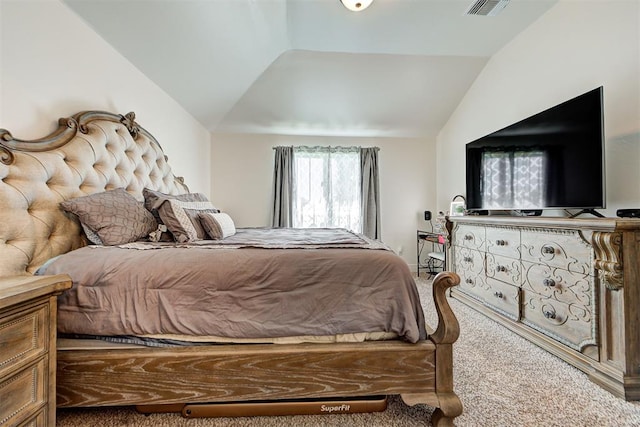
[(310, 67)]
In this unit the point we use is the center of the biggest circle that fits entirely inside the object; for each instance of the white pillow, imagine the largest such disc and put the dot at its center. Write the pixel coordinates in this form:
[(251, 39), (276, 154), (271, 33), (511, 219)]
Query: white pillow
[(217, 225)]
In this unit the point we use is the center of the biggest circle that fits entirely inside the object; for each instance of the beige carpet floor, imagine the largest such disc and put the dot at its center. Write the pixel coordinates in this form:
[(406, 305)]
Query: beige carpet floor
[(502, 379)]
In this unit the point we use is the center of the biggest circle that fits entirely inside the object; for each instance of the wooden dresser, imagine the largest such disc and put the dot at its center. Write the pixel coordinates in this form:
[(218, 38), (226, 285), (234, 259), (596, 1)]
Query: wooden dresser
[(571, 286), (28, 349)]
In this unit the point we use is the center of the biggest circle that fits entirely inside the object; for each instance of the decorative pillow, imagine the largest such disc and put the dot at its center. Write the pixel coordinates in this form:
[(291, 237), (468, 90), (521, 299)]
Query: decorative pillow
[(115, 216), (181, 216), (154, 199), (91, 235), (217, 225)]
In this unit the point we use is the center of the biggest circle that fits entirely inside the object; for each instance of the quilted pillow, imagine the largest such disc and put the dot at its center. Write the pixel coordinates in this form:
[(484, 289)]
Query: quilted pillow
[(217, 225), (179, 213), (115, 216)]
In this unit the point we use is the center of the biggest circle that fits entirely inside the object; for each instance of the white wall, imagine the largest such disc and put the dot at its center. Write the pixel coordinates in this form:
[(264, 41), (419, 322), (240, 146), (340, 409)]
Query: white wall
[(575, 47), (242, 181), (53, 65)]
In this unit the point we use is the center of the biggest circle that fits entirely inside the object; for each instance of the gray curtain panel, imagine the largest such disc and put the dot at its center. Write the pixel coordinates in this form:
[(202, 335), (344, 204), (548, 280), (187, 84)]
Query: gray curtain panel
[(283, 187), (370, 192)]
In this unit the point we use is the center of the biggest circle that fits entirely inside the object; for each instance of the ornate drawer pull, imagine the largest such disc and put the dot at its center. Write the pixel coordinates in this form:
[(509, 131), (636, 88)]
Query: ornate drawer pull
[(549, 282), (468, 237), (467, 259), (501, 268), (469, 281), (501, 242), (549, 315), (497, 294), (548, 249)]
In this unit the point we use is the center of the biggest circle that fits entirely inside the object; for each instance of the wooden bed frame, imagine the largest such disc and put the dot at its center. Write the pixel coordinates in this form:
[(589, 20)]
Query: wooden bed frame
[(85, 155)]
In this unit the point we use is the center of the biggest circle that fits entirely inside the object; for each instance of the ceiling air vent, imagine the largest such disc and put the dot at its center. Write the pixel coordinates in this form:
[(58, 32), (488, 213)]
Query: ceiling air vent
[(486, 7)]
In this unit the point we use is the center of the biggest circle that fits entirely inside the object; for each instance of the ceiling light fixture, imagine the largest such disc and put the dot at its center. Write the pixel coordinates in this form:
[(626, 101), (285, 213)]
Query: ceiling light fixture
[(356, 5)]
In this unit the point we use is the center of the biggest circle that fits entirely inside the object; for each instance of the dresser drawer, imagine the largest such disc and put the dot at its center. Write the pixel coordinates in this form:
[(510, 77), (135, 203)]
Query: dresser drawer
[(561, 249), (469, 236), (469, 264), (468, 261), (503, 297), (28, 349), (473, 284), (562, 285), (503, 241), (504, 269), (23, 337), (22, 393), (569, 324)]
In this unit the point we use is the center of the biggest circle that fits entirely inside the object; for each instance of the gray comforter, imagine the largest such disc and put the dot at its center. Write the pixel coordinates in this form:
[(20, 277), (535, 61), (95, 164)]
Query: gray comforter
[(260, 283)]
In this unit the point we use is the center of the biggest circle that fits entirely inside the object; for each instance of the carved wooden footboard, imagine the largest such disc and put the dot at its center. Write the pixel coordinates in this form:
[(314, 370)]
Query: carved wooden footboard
[(116, 375)]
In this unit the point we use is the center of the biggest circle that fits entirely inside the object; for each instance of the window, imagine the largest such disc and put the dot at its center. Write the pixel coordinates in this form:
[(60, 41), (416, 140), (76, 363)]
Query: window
[(514, 178), (326, 188)]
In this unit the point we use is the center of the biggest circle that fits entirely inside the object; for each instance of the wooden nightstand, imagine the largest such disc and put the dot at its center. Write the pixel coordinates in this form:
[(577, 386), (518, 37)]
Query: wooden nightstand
[(28, 349)]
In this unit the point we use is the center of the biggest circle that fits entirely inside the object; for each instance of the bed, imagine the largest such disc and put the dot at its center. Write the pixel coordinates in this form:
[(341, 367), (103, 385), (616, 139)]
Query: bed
[(94, 153)]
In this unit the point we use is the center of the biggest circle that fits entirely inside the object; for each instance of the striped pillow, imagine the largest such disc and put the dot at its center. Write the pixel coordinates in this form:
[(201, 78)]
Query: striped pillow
[(217, 225), (156, 202)]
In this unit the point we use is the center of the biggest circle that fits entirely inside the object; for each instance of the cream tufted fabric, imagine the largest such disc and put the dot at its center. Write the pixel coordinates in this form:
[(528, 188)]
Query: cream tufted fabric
[(91, 152)]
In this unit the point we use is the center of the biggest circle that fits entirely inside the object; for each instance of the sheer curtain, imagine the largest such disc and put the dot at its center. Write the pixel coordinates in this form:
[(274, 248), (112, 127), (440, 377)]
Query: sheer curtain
[(326, 190), (329, 187)]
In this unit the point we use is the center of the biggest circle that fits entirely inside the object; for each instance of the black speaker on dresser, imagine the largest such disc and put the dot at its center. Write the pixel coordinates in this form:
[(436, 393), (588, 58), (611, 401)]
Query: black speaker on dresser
[(628, 213)]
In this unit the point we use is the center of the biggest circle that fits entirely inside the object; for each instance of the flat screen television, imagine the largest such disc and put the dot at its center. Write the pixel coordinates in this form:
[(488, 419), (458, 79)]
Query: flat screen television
[(551, 160)]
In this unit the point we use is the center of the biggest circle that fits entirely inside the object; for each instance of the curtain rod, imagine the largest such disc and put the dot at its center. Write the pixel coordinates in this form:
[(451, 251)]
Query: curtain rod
[(326, 147)]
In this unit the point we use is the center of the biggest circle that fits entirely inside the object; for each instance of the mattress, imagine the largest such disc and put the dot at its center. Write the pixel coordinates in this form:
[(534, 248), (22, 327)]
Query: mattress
[(261, 284)]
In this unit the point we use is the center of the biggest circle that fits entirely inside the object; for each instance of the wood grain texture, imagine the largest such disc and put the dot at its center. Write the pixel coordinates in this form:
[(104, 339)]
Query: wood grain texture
[(15, 290), (242, 372), (27, 349), (448, 327), (106, 375)]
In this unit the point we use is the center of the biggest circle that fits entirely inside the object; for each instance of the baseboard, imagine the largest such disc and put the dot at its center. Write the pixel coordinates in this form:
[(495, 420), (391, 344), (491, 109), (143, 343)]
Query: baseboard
[(627, 388)]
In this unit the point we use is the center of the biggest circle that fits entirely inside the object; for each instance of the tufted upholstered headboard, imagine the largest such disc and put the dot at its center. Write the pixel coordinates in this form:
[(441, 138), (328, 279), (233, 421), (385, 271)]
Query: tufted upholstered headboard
[(90, 152)]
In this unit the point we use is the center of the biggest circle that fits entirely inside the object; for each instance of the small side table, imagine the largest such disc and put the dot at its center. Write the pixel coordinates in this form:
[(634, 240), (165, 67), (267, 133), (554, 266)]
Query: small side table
[(28, 348), (431, 252)]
